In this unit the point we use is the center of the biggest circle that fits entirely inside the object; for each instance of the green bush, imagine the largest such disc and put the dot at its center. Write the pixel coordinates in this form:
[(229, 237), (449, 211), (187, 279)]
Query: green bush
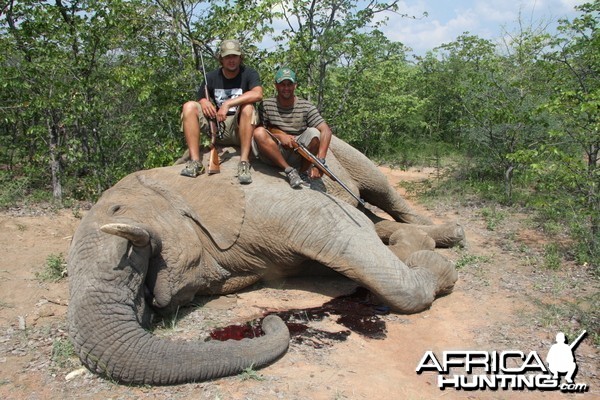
[(63, 353), (12, 189), (54, 270), (552, 256)]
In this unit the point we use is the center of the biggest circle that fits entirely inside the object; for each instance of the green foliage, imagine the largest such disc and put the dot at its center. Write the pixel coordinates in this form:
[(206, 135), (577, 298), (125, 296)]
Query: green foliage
[(54, 270), (12, 189), (586, 249), (552, 257), (493, 217), (585, 310), (377, 118), (572, 150), (63, 353), (251, 374), (320, 36), (498, 97), (467, 260)]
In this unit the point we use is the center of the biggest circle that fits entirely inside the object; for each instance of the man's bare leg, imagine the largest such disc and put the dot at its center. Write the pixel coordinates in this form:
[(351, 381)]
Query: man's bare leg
[(270, 149), (191, 129), (313, 147), (245, 128)]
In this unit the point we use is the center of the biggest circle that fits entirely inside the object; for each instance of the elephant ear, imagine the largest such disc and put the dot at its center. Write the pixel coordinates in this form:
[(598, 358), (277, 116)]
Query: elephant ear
[(216, 203)]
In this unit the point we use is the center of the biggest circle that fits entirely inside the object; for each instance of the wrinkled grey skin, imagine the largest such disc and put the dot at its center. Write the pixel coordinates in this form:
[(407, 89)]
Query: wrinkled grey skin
[(157, 239)]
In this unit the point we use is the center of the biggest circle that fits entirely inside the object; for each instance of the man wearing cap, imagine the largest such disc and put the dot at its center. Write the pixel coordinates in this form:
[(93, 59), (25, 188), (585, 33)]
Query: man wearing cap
[(301, 122), (233, 89)]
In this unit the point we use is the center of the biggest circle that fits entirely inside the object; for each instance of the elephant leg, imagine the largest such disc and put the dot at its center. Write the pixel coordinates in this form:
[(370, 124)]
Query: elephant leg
[(408, 240), (384, 227), (440, 267), (361, 256), (373, 184), (445, 235)]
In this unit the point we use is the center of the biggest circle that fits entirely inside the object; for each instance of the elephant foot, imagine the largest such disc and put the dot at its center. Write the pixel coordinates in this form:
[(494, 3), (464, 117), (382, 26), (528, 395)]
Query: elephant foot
[(446, 235), (409, 239), (385, 228), (424, 276), (441, 269), (416, 219)]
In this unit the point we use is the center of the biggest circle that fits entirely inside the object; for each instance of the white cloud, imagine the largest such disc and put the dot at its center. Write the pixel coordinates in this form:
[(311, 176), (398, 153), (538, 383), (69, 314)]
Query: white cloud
[(432, 31), (484, 18), (447, 20)]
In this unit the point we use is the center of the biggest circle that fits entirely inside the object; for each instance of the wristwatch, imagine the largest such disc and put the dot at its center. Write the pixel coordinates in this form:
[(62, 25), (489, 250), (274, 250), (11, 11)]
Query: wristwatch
[(321, 160)]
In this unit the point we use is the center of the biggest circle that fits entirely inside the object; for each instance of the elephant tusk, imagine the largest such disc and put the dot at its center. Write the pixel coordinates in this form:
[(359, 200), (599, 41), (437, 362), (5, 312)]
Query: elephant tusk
[(139, 237)]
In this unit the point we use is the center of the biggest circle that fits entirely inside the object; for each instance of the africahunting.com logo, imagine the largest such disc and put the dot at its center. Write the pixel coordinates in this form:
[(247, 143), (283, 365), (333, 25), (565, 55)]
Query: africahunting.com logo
[(507, 370)]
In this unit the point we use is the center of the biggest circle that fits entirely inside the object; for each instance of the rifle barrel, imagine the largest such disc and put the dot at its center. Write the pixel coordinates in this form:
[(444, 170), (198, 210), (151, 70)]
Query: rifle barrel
[(316, 162)]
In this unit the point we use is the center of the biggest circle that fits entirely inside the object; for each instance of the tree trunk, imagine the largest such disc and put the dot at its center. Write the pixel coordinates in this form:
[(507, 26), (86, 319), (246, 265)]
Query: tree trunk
[(54, 161), (593, 201), (508, 175)]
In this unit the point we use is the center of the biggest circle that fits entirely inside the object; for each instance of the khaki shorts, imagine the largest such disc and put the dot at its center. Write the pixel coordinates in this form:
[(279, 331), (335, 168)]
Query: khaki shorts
[(290, 156), (228, 128)]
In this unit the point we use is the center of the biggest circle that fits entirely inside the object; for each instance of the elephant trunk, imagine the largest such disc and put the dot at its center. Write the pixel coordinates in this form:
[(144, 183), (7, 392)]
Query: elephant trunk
[(108, 315), (119, 348)]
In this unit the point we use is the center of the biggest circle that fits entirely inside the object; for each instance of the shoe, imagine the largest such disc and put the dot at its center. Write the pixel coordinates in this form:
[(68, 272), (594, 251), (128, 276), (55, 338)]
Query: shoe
[(293, 177), (305, 179), (318, 185), (192, 169), (243, 172)]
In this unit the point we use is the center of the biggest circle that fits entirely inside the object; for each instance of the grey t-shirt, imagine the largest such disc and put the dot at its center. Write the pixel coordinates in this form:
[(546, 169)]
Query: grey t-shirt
[(294, 120)]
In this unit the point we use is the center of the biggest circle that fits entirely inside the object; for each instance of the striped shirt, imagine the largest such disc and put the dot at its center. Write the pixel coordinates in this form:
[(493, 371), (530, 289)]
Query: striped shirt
[(294, 120)]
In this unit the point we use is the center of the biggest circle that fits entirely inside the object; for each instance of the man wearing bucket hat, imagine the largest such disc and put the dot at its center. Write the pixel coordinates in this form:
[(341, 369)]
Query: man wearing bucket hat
[(296, 120), (233, 89)]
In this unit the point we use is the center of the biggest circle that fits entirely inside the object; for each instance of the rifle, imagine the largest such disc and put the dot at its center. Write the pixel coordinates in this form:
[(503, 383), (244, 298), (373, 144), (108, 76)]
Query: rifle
[(303, 151), (213, 160)]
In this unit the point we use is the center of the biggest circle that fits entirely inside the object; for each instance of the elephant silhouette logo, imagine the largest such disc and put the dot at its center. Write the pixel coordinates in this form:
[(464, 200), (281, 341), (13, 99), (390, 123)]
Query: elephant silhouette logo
[(561, 357)]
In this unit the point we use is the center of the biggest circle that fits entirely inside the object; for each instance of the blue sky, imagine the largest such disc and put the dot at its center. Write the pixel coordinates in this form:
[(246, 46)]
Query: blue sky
[(487, 19)]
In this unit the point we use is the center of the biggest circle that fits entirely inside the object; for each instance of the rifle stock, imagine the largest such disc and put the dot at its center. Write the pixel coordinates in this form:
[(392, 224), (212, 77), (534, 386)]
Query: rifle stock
[(307, 155), (213, 160)]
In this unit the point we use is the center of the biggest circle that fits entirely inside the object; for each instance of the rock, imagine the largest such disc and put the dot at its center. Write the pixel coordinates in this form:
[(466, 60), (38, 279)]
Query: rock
[(74, 374)]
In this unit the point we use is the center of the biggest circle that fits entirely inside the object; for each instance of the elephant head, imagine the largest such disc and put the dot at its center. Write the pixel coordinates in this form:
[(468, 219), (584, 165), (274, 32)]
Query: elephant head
[(126, 258)]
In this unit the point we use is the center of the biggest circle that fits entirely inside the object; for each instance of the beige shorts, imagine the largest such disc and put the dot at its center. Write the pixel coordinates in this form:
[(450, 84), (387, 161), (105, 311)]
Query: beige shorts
[(290, 156), (228, 129)]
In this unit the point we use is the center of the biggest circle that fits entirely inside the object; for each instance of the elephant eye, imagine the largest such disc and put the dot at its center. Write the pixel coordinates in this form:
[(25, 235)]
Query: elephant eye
[(115, 209)]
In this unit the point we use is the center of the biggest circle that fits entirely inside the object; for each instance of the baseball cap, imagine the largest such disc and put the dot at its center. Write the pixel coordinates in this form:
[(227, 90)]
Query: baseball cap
[(229, 47), (285, 74)]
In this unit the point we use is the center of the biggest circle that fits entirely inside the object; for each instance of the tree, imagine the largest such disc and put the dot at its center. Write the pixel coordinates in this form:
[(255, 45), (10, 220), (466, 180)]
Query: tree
[(499, 95), (321, 33), (92, 89), (369, 101), (573, 148)]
